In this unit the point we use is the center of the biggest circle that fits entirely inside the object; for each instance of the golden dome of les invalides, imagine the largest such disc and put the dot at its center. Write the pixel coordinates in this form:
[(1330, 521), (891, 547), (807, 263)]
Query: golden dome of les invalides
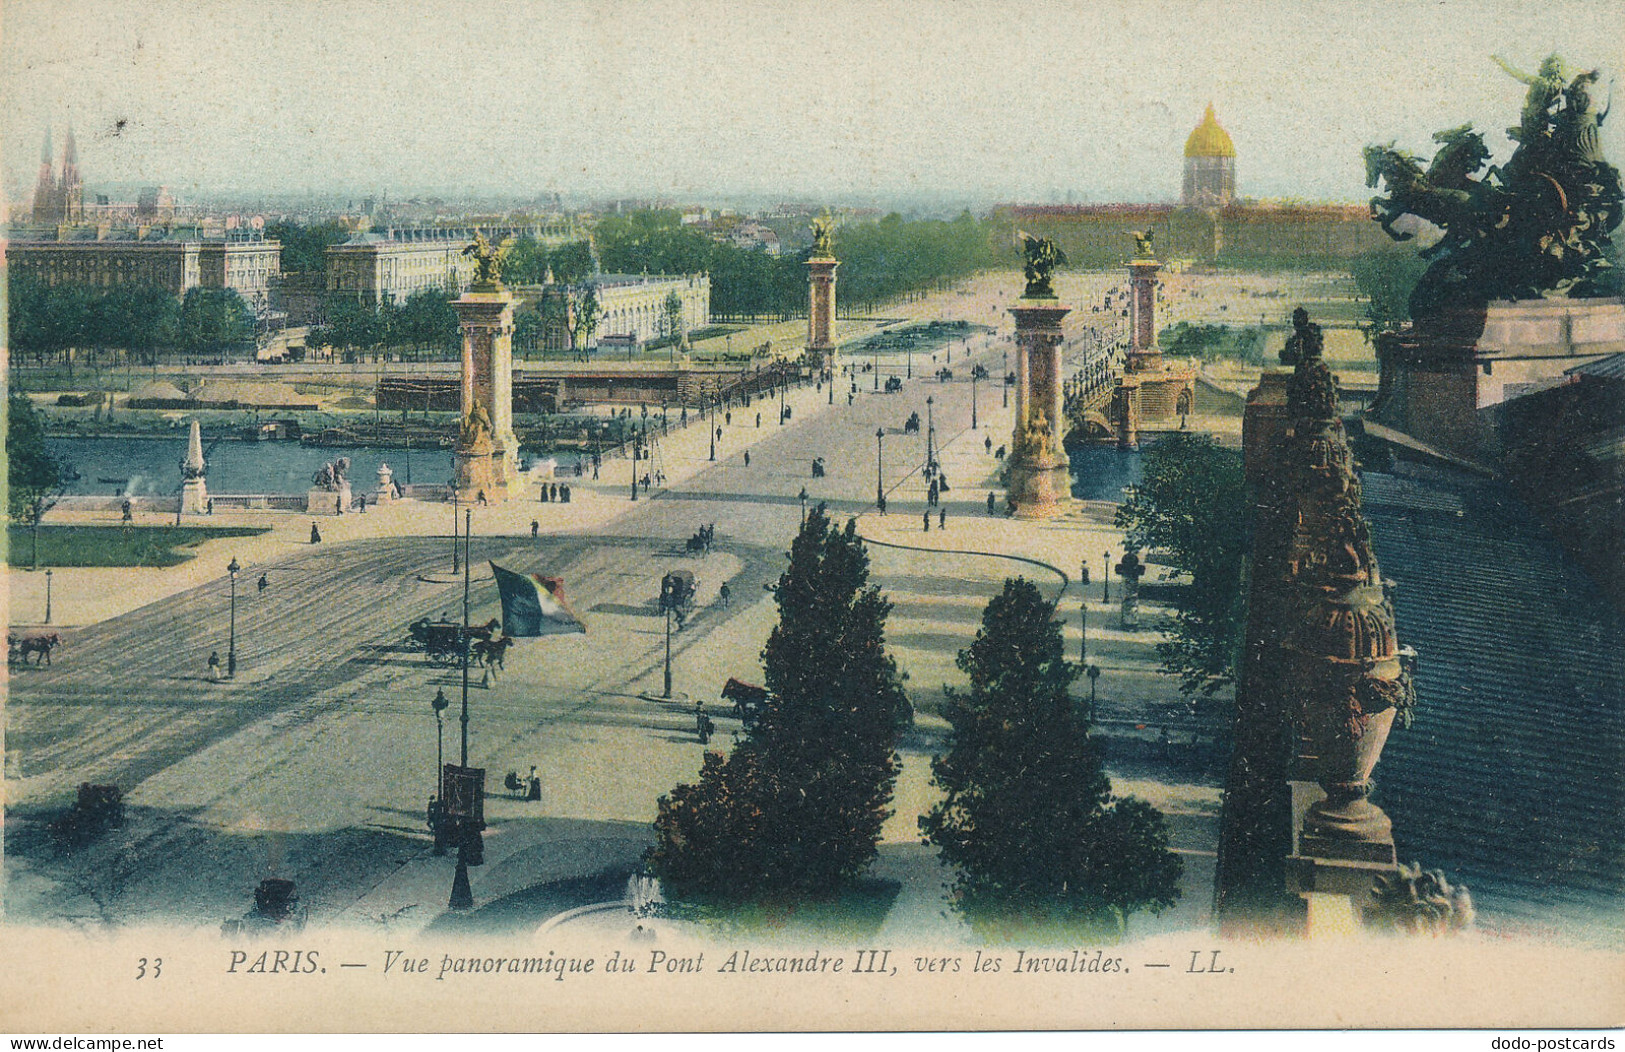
[(1208, 139)]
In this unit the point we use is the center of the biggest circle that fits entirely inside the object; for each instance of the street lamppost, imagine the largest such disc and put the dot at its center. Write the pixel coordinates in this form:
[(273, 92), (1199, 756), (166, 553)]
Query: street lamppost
[(876, 349), (880, 453), (456, 553), (1083, 610), (783, 385), (930, 435), (973, 378), (439, 704), (1094, 674), (1004, 377), (632, 459), (668, 592), (48, 590), (467, 837), (231, 643), (1106, 579), (803, 517), (911, 361)]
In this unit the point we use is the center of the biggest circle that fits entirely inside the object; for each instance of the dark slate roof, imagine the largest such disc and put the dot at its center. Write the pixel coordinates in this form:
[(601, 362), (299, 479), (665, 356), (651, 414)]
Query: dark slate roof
[(1512, 778), (1609, 368)]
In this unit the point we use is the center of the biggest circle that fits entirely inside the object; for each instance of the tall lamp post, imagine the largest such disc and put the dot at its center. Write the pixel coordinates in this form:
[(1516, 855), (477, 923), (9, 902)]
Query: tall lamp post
[(877, 366), (462, 896), (930, 436), (439, 704), (1094, 674), (456, 554), (973, 378), (632, 459), (48, 595), (231, 643), (1106, 579), (1083, 610), (710, 426), (880, 453), (1004, 380), (803, 512), (668, 592)]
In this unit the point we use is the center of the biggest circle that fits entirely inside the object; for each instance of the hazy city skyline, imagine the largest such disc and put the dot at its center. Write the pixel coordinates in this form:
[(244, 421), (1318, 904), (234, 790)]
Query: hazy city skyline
[(842, 101)]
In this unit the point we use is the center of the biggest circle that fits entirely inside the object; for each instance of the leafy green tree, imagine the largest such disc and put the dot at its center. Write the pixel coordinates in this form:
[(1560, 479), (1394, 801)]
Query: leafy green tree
[(1191, 505), (672, 308), (1029, 823), (571, 263), (584, 319), (526, 263), (214, 320), (31, 471), (304, 248), (799, 804)]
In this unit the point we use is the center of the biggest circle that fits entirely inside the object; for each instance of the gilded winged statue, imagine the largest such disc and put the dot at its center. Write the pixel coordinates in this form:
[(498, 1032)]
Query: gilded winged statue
[(1041, 255), (823, 232), (488, 259)]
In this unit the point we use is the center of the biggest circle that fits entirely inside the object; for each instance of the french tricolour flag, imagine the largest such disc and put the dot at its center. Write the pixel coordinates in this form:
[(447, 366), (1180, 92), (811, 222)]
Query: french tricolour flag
[(533, 605)]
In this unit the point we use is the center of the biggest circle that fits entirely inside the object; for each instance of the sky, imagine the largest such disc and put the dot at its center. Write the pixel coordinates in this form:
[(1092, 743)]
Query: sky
[(831, 100)]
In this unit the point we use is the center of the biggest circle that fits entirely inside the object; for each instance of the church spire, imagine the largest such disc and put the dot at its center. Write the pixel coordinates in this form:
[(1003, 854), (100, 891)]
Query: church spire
[(45, 192)]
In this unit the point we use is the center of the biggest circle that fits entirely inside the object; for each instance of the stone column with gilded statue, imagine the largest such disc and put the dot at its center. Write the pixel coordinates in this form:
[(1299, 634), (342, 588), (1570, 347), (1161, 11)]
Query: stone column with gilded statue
[(487, 454), (821, 266), (1040, 483)]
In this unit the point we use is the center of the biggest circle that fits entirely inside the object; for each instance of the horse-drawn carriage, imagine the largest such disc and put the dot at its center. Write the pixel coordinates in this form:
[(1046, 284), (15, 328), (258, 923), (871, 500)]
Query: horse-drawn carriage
[(748, 699), (96, 808), (276, 907), (893, 384), (442, 641)]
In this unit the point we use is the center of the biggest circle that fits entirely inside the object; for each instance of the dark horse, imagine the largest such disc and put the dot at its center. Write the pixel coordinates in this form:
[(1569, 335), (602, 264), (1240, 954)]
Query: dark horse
[(19, 647), (491, 652)]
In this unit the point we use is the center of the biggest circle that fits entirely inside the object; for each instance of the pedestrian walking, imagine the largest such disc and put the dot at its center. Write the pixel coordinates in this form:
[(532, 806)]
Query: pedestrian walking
[(758, 419), (724, 593), (211, 505), (987, 443), (535, 529), (942, 518), (214, 665), (747, 458), (315, 534), (338, 505), (128, 512), (564, 492), (535, 785), (928, 520), (727, 418), (990, 502), (264, 582)]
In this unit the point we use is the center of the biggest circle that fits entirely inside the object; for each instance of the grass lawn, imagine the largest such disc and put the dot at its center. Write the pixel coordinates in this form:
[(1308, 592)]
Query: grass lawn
[(115, 545)]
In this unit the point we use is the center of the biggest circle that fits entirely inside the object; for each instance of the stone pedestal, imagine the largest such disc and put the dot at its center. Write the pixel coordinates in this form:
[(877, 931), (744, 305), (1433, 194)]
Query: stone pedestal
[(821, 309), (385, 493), (328, 501), (1438, 375), (477, 477), (194, 496), (486, 317), (1040, 484), (1143, 352)]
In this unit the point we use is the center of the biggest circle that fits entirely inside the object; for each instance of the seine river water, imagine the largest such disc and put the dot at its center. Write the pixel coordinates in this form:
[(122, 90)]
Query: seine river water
[(151, 466), (1103, 472)]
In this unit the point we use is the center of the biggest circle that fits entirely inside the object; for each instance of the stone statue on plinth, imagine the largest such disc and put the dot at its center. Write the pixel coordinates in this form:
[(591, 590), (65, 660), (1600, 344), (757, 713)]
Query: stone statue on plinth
[(488, 260), (1041, 255), (1142, 243), (823, 232), (476, 431), (332, 476)]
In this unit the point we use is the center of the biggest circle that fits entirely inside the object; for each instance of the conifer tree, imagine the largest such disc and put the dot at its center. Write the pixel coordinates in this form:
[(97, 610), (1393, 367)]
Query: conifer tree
[(798, 806), (1029, 822)]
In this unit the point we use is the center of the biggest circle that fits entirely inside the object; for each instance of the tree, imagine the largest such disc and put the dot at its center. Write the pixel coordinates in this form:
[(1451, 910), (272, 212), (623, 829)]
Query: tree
[(214, 320), (1029, 822), (31, 471), (304, 248), (1386, 278), (526, 263), (1191, 505), (584, 320), (571, 263), (798, 806), (672, 309)]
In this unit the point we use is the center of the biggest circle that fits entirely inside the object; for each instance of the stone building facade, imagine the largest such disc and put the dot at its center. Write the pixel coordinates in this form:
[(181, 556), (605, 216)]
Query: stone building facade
[(249, 264), (631, 307)]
